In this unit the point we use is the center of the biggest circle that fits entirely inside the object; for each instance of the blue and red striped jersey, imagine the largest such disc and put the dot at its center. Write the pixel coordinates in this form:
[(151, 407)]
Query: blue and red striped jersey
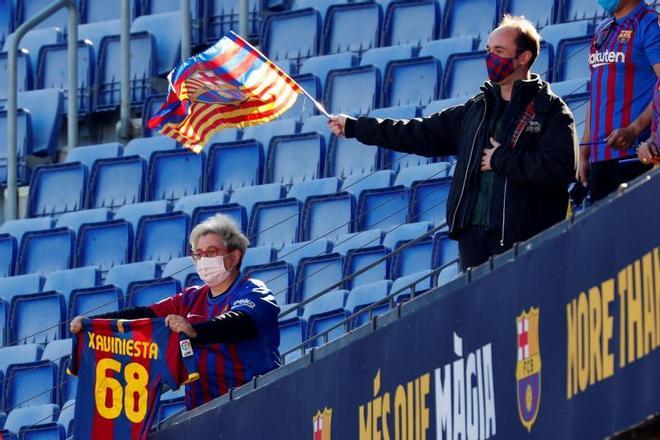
[(224, 366), (121, 367), (622, 76)]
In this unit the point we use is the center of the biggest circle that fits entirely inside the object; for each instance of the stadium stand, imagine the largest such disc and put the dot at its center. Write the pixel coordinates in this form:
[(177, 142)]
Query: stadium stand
[(20, 284), (24, 329)]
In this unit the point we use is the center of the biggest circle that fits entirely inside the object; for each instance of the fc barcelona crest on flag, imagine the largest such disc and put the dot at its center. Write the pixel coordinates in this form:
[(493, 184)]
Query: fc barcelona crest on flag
[(528, 367), (323, 424)]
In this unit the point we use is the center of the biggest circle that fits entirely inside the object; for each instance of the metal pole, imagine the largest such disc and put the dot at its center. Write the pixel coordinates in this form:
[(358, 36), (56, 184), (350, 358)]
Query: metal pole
[(125, 103), (244, 19), (11, 201), (185, 29)]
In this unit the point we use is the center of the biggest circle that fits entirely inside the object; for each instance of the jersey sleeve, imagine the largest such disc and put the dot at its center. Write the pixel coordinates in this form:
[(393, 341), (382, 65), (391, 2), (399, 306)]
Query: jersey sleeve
[(651, 37), (259, 302)]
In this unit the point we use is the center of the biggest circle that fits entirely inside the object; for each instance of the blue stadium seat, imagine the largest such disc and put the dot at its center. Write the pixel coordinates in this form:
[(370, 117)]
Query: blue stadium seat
[(19, 354), (275, 223), (27, 416), (8, 251), (65, 281), (294, 252), (360, 257), (166, 29), (382, 208), (575, 86), (364, 296), (317, 124), (234, 165), (323, 314), (442, 104), (304, 108), (578, 104), (357, 183), (257, 256), (89, 154), (34, 40), (340, 33), (291, 335), (422, 173), (188, 204), (162, 237), (428, 200), (23, 145), (572, 10), (143, 67), (319, 187), (320, 66), (97, 30), (329, 216), (464, 74), (145, 293), (57, 350), (52, 71), (232, 210), (541, 13), (99, 10), (315, 274), (348, 156), (56, 189), (553, 34), (66, 416), (404, 232), (249, 195), (150, 107), (73, 220), (178, 269), (46, 251), (264, 133), (4, 317), (413, 259), (94, 301), (320, 5), (6, 22), (115, 182), (26, 9), (291, 35), (295, 158), (353, 90), (121, 276), (569, 64), (145, 147), (104, 244), (448, 274), (43, 431), (445, 250), (412, 22), (278, 276), (25, 329), (443, 49), (400, 90), (24, 74), (175, 174), (380, 56), (223, 15), (470, 17), (412, 285), (30, 384), (20, 285), (226, 135)]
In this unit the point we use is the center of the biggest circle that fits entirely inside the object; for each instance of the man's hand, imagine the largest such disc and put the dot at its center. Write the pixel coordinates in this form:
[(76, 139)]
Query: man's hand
[(179, 324), (76, 324), (337, 124), (488, 154), (584, 165), (622, 138)]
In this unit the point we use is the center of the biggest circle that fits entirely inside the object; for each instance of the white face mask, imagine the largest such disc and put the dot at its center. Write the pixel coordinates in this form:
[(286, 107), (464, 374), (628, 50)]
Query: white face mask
[(212, 270)]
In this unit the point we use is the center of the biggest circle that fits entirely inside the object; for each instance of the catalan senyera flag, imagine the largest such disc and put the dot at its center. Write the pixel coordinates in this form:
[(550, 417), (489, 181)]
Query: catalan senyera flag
[(230, 85)]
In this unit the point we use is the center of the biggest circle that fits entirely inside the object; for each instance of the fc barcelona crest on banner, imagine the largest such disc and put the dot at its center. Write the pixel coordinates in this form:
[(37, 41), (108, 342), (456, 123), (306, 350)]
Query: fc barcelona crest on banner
[(528, 367), (323, 424)]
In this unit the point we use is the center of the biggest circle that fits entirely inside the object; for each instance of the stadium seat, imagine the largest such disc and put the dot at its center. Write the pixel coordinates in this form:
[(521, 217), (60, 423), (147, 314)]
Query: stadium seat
[(317, 124), (422, 173), (65, 281), (56, 189), (52, 71), (89, 154), (99, 10), (27, 416), (4, 317), (294, 252), (353, 90), (413, 258), (348, 156), (66, 416), (469, 17), (364, 296), (304, 108), (188, 204), (24, 74), (56, 351), (94, 301), (30, 384), (278, 277), (357, 183), (19, 354), (8, 252), (295, 158), (73, 220), (232, 210), (575, 86), (115, 182), (320, 66), (291, 335), (448, 274), (553, 34), (412, 285), (150, 107), (233, 165), (26, 9), (179, 269), (46, 251), (541, 13), (97, 30), (340, 33), (319, 187), (226, 135), (291, 35), (175, 174), (464, 74), (572, 10), (166, 29), (248, 196), (380, 56), (23, 145), (578, 104), (104, 244), (441, 50), (412, 22), (145, 293), (401, 90), (257, 256), (43, 431), (382, 208), (328, 216), (323, 314), (25, 329), (569, 64), (143, 67), (121, 276), (275, 223), (34, 40), (428, 200), (445, 250), (360, 257), (162, 237), (404, 232), (320, 5), (223, 15), (315, 274), (6, 23), (145, 147), (264, 133), (20, 285)]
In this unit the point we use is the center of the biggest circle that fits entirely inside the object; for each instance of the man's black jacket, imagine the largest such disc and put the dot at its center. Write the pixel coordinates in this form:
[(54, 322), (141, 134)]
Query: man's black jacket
[(530, 186)]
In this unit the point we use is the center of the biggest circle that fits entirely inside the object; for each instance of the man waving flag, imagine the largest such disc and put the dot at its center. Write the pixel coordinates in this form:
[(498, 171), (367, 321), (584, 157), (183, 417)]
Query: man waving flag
[(229, 85)]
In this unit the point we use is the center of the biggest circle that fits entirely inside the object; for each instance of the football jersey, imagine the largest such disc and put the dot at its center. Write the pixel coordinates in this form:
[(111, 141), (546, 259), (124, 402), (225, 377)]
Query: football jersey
[(121, 366), (224, 366), (622, 76)]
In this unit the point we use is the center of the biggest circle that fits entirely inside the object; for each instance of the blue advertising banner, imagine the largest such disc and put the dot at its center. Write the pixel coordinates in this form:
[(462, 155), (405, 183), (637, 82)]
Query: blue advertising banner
[(560, 340)]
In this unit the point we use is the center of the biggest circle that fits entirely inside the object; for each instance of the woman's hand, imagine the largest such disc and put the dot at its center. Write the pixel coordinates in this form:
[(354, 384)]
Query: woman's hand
[(179, 324), (76, 324)]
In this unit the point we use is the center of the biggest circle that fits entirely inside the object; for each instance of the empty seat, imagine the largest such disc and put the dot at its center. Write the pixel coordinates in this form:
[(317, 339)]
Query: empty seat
[(73, 220), (316, 274), (249, 195), (553, 34), (443, 49), (445, 250), (303, 107), (320, 5), (115, 182), (20, 284), (8, 251), (179, 269), (264, 133), (30, 415), (543, 65), (409, 176), (134, 212), (19, 354), (541, 13), (66, 416), (278, 277), (357, 183), (414, 258), (166, 29), (448, 274), (89, 154), (24, 74), (353, 90), (412, 82), (145, 293), (188, 204), (225, 135), (380, 56), (223, 15), (257, 256), (34, 40), (412, 285), (56, 189), (30, 384), (175, 174), (291, 335), (569, 65), (46, 251), (296, 158), (65, 281), (323, 317), (95, 32), (319, 187), (6, 23), (294, 252), (428, 200), (291, 35), (99, 10), (4, 316), (464, 75), (365, 296), (470, 17), (321, 65), (361, 257), (341, 34), (317, 124), (348, 156), (412, 22), (122, 275), (275, 223), (145, 147), (26, 9), (94, 301), (23, 145), (25, 329), (573, 10), (382, 208), (328, 216), (143, 55), (104, 244), (234, 165), (162, 237), (404, 232), (575, 86)]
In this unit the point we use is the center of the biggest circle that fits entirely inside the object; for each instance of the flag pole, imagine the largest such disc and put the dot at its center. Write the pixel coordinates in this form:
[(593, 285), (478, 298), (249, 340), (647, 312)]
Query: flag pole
[(317, 104)]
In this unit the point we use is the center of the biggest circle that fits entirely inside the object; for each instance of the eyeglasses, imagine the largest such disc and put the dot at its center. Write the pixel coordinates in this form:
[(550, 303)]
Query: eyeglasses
[(604, 33), (211, 252)]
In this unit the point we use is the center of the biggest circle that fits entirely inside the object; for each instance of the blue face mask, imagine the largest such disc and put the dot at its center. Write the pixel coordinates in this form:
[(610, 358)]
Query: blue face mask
[(610, 5)]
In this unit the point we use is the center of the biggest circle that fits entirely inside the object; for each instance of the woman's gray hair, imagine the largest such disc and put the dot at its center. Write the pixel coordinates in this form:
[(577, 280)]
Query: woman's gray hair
[(225, 228)]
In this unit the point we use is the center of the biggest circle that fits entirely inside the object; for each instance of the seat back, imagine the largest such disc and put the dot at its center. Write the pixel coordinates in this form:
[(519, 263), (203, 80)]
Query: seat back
[(65, 281), (24, 73), (234, 165), (291, 35), (73, 220), (8, 251), (26, 9), (19, 354), (414, 258), (151, 106), (573, 10), (134, 212), (324, 316), (569, 65), (353, 90), (541, 14), (321, 65), (250, 195), (25, 329), (380, 56), (382, 208), (28, 416), (340, 33), (315, 274), (31, 384), (347, 157), (121, 276), (23, 144), (20, 285), (470, 17), (223, 15), (188, 204), (175, 174), (148, 292), (105, 244), (46, 251), (162, 237), (89, 154), (166, 29), (428, 201), (400, 90), (366, 295), (445, 250), (441, 50), (297, 158), (412, 23), (264, 133), (291, 335), (275, 223), (115, 182), (319, 187), (303, 107), (464, 74), (46, 108), (277, 276), (56, 189), (95, 301)]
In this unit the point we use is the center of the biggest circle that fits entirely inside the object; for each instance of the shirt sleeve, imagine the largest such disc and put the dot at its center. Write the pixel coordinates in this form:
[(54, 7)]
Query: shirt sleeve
[(651, 38), (259, 303)]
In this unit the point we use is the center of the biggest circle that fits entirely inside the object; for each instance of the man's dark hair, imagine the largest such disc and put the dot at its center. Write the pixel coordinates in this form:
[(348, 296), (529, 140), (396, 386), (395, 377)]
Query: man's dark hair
[(528, 37)]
